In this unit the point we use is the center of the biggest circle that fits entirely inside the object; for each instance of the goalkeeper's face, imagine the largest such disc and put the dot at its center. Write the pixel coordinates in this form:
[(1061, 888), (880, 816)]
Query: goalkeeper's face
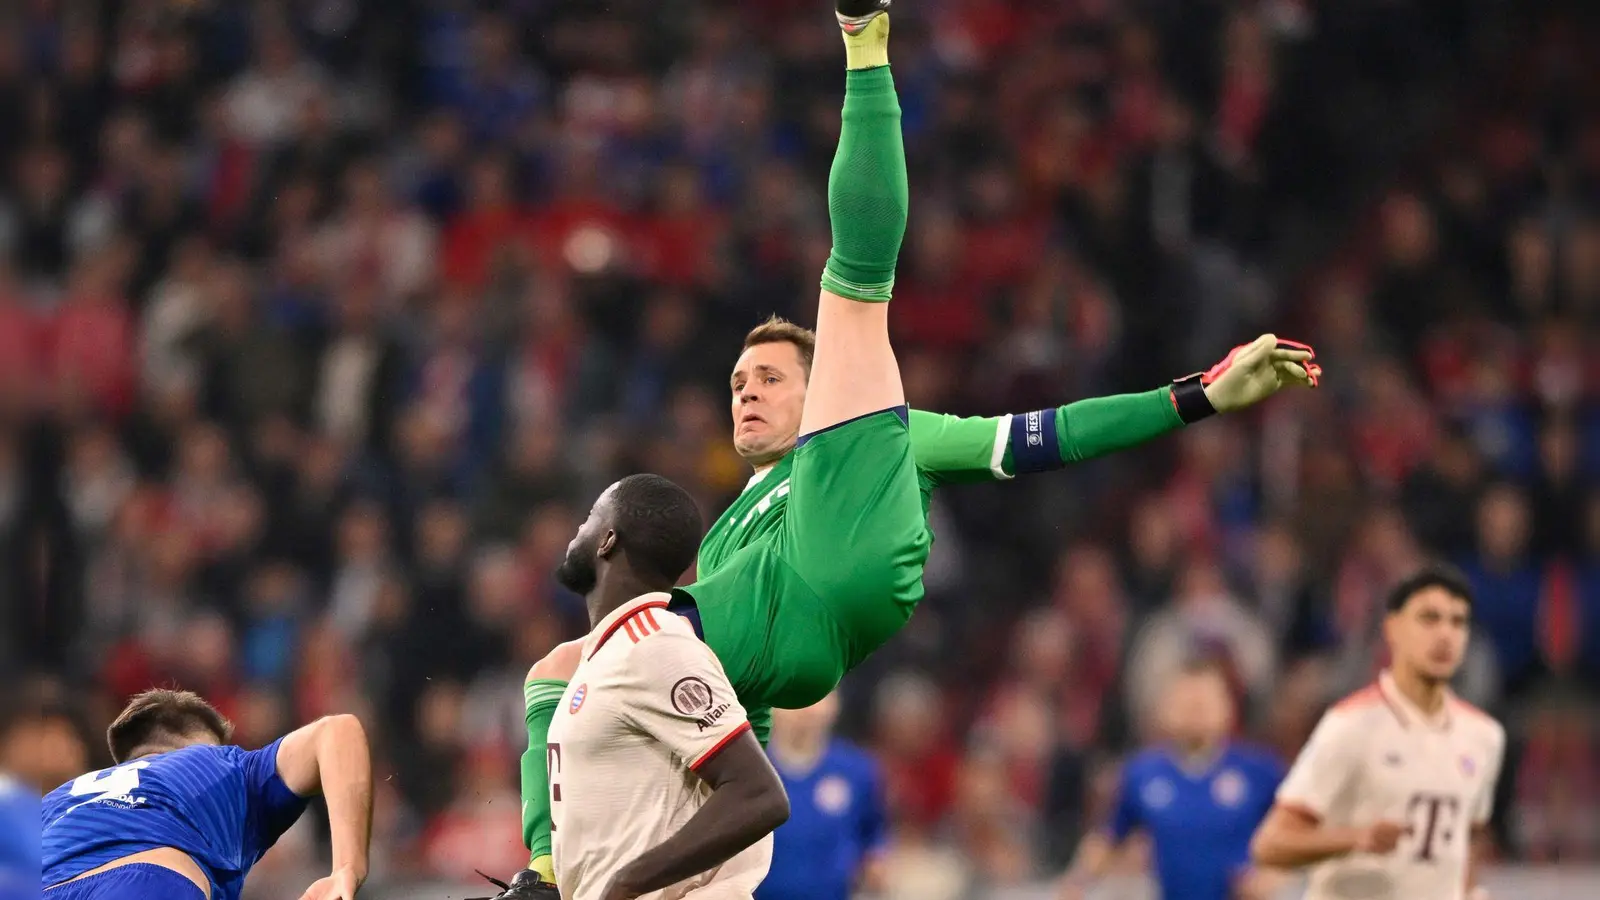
[(769, 393)]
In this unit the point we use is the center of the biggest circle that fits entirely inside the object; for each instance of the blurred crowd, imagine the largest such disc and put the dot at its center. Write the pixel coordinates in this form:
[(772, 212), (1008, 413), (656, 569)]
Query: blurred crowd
[(321, 323)]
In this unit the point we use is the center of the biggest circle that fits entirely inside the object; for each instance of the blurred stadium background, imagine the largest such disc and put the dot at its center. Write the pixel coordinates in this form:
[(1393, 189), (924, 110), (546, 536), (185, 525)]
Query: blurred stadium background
[(322, 321)]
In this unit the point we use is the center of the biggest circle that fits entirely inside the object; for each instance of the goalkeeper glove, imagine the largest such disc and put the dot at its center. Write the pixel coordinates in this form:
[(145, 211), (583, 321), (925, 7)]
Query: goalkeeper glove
[(525, 885), (1249, 374)]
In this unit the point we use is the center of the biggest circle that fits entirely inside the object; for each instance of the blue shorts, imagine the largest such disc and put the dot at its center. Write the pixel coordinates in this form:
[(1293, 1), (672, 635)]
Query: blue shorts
[(135, 881)]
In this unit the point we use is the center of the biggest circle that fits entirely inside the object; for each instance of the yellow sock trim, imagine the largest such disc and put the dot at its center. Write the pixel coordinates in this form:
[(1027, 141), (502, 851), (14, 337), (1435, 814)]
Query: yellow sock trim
[(870, 48), (545, 866)]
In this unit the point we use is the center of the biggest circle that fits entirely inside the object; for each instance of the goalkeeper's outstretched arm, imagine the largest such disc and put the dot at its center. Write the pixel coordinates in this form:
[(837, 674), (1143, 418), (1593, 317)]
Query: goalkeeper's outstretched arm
[(953, 449)]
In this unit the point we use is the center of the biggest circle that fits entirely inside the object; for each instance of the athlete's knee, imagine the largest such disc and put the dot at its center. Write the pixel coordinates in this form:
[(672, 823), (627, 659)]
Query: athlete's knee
[(559, 664), (853, 313)]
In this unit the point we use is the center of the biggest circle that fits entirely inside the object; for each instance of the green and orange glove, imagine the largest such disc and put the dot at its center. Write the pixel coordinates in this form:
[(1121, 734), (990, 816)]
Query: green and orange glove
[(1249, 374)]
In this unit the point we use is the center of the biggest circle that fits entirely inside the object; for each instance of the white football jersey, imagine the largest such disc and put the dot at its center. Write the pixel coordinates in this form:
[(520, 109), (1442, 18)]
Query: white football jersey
[(648, 705), (1376, 756)]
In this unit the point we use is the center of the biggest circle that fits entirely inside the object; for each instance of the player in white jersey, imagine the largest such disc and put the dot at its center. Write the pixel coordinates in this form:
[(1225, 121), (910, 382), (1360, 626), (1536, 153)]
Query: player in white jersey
[(658, 788), (1395, 786)]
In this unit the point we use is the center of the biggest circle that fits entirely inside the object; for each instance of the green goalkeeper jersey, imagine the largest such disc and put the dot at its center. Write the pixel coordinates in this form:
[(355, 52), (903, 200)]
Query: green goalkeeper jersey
[(946, 449)]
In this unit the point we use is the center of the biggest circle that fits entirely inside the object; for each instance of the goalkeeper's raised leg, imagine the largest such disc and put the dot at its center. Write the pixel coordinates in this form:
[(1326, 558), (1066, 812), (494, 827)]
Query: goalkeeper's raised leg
[(856, 528), (790, 614), (854, 372)]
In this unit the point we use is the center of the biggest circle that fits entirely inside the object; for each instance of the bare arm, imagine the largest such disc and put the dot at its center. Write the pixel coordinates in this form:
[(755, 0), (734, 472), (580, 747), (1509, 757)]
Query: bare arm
[(1291, 838), (747, 803), (330, 756), (1257, 883), (1481, 849)]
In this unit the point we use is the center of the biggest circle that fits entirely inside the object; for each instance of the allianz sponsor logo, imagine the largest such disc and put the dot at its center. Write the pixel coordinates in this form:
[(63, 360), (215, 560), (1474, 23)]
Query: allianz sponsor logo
[(765, 503), (710, 718)]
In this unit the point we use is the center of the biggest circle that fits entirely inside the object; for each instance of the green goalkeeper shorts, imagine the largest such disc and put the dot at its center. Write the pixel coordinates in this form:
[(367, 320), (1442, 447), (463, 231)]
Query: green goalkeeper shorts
[(790, 614)]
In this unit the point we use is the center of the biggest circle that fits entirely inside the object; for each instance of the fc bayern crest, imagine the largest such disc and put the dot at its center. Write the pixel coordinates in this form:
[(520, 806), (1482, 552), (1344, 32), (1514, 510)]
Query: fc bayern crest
[(578, 696)]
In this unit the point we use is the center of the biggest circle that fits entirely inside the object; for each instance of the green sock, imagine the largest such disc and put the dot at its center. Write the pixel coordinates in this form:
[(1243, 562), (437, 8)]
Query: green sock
[(867, 191), (542, 697)]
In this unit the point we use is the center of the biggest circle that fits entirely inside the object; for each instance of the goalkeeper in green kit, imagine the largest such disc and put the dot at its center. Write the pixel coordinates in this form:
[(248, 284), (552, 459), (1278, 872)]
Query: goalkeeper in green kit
[(819, 561)]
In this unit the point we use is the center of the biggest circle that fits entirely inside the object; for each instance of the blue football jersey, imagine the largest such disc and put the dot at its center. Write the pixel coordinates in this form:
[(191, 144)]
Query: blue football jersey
[(1199, 822), (836, 818), (19, 841), (223, 806)]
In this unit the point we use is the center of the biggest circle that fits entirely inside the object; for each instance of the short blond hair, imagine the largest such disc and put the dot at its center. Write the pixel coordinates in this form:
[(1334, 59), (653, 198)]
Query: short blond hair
[(778, 330)]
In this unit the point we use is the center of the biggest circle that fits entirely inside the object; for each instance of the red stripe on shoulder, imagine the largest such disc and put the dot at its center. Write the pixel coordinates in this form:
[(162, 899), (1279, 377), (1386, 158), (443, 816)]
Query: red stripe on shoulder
[(718, 747), (631, 622), (1364, 697), (1371, 695)]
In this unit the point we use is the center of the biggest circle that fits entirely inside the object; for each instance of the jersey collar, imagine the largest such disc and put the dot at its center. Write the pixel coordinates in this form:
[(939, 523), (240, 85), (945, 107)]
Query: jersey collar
[(606, 627), (761, 475), (1199, 767), (1408, 712)]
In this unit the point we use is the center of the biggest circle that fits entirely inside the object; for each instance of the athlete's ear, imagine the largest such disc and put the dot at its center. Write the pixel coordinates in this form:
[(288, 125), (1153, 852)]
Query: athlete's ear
[(608, 545), (1391, 621)]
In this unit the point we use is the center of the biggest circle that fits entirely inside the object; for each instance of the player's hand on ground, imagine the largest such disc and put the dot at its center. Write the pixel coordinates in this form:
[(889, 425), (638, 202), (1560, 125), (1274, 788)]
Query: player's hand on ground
[(341, 885), (1380, 837), (1255, 371)]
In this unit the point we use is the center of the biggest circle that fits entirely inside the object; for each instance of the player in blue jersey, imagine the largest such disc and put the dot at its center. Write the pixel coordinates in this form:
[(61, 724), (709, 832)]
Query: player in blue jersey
[(19, 840), (1198, 797), (39, 736), (183, 815), (836, 824)]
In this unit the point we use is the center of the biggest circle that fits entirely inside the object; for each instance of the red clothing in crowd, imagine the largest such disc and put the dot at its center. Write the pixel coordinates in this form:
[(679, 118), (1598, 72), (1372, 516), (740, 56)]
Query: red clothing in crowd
[(18, 355), (921, 789), (675, 250), (598, 227), (91, 353), (474, 239)]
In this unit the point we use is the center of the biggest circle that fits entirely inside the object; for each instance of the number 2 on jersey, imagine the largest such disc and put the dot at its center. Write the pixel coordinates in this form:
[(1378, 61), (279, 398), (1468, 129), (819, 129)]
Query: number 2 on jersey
[(552, 760)]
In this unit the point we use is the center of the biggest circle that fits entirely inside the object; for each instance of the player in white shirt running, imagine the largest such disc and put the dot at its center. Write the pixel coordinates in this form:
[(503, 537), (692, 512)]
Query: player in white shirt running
[(1397, 782), (658, 787)]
